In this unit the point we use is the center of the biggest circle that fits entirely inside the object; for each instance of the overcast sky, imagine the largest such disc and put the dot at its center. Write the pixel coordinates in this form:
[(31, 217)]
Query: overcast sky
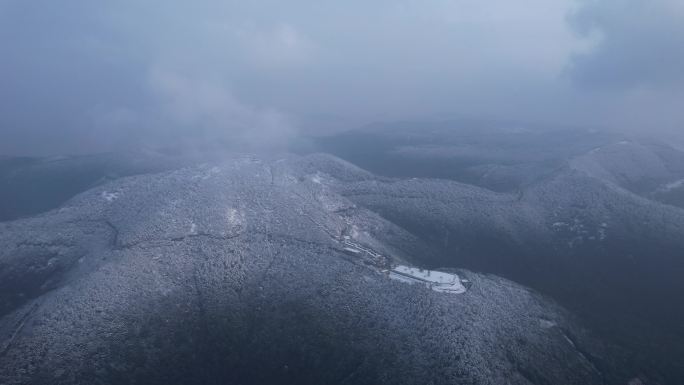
[(84, 76)]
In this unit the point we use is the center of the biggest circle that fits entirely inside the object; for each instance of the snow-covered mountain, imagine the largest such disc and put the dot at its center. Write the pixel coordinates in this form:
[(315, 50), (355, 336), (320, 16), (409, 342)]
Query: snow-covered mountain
[(240, 247), (253, 271)]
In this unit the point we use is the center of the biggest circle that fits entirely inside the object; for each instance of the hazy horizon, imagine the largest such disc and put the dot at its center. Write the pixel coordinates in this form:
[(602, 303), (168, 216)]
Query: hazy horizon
[(323, 192), (81, 77)]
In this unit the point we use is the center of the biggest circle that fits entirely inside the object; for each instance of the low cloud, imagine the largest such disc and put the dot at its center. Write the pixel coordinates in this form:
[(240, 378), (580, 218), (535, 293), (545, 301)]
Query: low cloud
[(81, 76), (281, 45), (639, 44), (202, 113)]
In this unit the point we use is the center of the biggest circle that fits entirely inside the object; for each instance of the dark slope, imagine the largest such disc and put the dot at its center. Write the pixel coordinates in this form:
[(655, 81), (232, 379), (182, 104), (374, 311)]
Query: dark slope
[(652, 170), (614, 257), (235, 274), (498, 155), (591, 218), (29, 186)]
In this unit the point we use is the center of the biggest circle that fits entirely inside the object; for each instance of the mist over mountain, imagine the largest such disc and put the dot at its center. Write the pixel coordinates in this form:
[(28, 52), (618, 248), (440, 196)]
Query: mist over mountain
[(84, 78), (584, 227), (395, 192)]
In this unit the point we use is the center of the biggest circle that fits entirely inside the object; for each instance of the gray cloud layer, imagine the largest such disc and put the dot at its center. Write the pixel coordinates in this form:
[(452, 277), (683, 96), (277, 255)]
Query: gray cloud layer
[(641, 44), (82, 76)]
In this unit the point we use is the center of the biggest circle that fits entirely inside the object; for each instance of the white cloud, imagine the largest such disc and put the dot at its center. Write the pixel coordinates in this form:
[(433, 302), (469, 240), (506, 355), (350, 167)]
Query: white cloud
[(84, 64), (206, 113), (275, 46), (639, 46)]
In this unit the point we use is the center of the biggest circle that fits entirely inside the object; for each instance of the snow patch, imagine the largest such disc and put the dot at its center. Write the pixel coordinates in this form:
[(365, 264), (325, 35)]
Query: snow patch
[(578, 233), (234, 217), (432, 279), (672, 186), (546, 324), (110, 196), (206, 174)]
